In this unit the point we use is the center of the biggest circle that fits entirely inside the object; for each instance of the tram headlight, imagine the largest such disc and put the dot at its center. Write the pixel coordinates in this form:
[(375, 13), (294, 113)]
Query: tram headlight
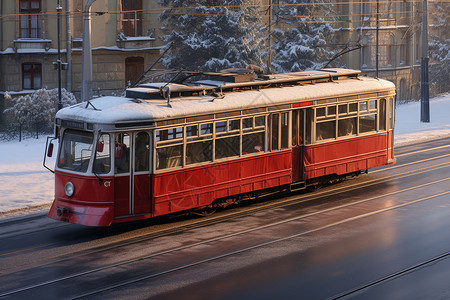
[(69, 189)]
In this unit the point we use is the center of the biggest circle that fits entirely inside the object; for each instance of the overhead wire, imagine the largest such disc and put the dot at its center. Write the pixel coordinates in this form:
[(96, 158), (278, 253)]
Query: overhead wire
[(167, 10)]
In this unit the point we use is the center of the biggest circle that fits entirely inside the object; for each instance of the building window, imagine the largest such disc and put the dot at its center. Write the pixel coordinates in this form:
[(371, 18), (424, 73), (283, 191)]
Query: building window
[(132, 17), (391, 52), (30, 18), (31, 76)]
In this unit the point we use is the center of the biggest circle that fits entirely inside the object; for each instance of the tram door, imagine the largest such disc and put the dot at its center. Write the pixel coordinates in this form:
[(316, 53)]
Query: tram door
[(132, 174), (297, 144)]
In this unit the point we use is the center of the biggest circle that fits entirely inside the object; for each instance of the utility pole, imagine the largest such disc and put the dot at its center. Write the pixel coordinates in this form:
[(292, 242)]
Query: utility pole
[(424, 84), (86, 66), (377, 39), (269, 62), (68, 48), (58, 11)]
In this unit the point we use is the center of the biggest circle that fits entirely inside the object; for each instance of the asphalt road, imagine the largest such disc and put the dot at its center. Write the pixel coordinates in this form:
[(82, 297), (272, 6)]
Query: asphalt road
[(382, 235)]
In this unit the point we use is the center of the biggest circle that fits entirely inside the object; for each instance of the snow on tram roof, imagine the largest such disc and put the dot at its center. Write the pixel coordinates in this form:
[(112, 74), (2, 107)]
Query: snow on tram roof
[(111, 110)]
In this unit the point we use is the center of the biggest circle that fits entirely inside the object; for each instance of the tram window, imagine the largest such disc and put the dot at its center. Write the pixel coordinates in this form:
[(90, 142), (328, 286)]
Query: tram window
[(102, 162), (142, 152), (227, 147), (331, 110), (76, 150), (308, 125), (382, 118), (373, 105), (274, 132), (247, 123), (363, 106), (169, 157), (199, 152), (234, 125), (169, 134), (295, 128), (253, 143), (367, 123), (320, 112), (122, 153), (342, 109), (353, 108), (221, 127), (325, 130), (260, 121), (347, 127), (206, 128), (192, 130), (284, 130), (390, 104)]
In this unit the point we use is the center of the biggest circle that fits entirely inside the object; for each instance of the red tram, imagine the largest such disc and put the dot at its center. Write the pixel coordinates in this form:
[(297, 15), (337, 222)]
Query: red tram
[(215, 138)]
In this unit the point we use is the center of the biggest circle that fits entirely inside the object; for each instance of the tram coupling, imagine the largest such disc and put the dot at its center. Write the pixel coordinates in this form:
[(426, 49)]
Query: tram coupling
[(61, 210)]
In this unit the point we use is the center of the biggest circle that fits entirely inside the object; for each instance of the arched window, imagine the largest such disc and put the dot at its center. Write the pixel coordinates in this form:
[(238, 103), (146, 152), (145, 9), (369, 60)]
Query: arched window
[(134, 67), (391, 51)]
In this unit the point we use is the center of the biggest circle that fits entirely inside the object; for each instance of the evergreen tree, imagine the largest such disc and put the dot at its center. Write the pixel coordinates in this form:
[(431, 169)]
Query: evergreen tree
[(304, 44), (439, 47), (39, 108), (210, 35)]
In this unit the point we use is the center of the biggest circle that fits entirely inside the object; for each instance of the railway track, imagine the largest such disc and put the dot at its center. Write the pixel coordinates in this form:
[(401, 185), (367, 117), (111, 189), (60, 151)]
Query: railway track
[(266, 204), (389, 277), (223, 237)]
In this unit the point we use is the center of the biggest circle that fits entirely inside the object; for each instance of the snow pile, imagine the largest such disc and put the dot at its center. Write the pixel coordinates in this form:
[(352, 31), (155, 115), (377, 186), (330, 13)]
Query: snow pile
[(26, 185), (24, 182), (409, 129)]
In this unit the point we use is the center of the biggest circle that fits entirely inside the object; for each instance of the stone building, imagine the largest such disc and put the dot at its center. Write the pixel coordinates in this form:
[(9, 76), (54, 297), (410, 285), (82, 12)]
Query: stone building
[(399, 42), (124, 42)]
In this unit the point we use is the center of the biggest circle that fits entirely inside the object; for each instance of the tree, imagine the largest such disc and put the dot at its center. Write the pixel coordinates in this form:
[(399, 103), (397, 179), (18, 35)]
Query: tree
[(210, 35), (303, 45), (439, 47), (39, 108)]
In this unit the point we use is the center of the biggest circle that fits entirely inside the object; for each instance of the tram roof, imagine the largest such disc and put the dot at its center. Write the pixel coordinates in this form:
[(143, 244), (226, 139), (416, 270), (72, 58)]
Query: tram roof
[(113, 110)]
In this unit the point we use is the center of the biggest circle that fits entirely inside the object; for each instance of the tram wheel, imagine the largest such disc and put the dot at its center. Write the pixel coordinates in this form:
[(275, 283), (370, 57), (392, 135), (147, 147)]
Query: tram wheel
[(205, 212)]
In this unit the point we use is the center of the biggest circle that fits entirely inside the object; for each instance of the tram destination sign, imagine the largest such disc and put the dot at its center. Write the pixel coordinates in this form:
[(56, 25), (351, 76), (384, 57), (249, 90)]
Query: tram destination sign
[(72, 124)]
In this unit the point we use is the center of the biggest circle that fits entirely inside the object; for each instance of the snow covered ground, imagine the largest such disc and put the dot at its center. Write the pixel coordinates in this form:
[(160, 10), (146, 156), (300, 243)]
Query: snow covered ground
[(26, 186)]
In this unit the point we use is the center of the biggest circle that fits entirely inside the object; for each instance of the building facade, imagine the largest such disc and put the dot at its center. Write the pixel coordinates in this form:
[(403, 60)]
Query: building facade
[(399, 41), (125, 40), (124, 43)]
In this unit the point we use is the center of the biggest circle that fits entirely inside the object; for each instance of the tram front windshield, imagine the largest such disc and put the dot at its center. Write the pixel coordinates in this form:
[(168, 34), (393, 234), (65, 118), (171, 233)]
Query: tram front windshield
[(76, 150)]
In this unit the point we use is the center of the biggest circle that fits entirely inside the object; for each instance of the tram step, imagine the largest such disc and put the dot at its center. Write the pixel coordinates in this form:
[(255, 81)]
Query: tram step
[(298, 186)]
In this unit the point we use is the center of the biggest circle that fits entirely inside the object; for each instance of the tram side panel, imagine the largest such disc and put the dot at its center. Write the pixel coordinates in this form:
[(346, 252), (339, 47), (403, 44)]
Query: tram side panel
[(199, 186), (345, 156)]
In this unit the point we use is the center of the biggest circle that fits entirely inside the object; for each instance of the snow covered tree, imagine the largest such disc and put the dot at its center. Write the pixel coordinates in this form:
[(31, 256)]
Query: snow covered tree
[(210, 35), (304, 43), (439, 47), (39, 108)]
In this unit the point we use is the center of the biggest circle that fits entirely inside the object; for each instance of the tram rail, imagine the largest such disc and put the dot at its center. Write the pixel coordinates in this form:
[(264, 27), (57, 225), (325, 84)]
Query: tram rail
[(265, 205)]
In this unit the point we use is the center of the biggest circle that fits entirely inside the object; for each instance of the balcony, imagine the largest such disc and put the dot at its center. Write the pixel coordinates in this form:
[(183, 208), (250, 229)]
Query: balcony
[(139, 42), (32, 45)]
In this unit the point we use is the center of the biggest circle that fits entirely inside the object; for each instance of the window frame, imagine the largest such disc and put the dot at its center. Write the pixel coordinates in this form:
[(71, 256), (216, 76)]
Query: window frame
[(32, 72), (359, 109), (26, 18)]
